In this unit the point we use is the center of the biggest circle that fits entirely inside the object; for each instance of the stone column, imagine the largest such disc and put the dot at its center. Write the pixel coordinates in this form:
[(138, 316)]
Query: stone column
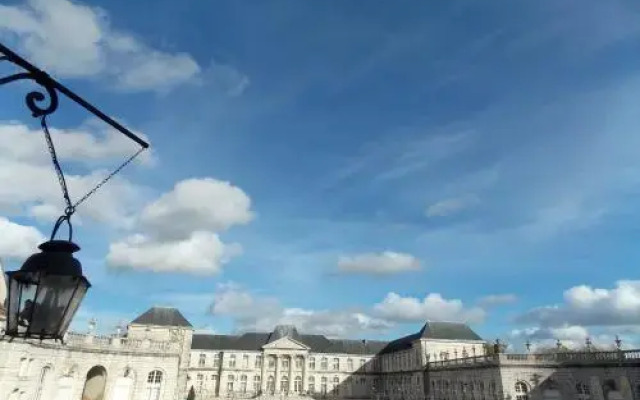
[(263, 376), (304, 373), (276, 384), (291, 377)]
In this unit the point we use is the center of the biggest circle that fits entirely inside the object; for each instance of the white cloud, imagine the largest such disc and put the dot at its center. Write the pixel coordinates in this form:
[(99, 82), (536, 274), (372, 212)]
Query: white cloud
[(584, 305), (451, 206), (263, 313), (201, 253), (74, 40), (385, 263), (497, 299), (179, 231), (18, 241), (197, 204), (433, 307), (30, 187)]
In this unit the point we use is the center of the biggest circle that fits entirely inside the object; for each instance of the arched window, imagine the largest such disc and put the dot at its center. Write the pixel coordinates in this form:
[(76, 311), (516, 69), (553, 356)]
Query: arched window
[(323, 363), (230, 381), (312, 384), (42, 382), (202, 360), (522, 391), (297, 384), (583, 391), (312, 363), (271, 384), (243, 384), (154, 385), (256, 383), (336, 364), (284, 384), (323, 385), (350, 364)]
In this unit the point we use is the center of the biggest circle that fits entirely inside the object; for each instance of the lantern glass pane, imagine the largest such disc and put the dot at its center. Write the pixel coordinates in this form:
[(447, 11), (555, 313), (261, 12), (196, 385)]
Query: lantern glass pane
[(53, 298), (82, 285), (13, 303), (23, 287)]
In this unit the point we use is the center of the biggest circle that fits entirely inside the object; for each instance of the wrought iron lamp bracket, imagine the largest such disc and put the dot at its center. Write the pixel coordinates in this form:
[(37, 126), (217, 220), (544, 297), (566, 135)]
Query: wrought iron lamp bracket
[(49, 89)]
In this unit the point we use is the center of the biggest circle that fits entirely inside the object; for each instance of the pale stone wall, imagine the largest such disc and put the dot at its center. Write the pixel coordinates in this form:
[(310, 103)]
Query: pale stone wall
[(125, 363), (589, 375)]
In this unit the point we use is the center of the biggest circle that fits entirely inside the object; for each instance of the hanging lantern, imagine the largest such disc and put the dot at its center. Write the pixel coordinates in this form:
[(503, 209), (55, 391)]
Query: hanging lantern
[(44, 295)]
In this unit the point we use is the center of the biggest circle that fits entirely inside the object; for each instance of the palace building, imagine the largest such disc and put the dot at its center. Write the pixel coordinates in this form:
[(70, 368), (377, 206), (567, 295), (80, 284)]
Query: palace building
[(159, 357)]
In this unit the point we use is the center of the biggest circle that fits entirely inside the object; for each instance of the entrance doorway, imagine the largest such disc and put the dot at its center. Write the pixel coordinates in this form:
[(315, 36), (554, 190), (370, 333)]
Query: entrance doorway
[(95, 384)]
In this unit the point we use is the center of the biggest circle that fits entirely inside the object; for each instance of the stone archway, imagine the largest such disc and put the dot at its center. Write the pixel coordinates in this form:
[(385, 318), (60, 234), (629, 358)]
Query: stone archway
[(95, 384)]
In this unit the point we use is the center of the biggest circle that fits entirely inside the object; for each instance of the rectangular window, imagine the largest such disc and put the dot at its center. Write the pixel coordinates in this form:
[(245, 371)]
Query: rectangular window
[(350, 364), (202, 360), (312, 363), (285, 363), (258, 361), (245, 361), (336, 364), (231, 378), (299, 362), (216, 360), (323, 363), (199, 380), (232, 361), (272, 362)]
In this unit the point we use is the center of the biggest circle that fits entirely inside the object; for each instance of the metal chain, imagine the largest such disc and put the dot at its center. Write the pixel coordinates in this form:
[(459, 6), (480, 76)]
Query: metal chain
[(108, 177), (71, 207), (56, 165)]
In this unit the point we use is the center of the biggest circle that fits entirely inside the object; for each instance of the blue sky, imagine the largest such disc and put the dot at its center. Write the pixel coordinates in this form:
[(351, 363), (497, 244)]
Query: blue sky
[(355, 170)]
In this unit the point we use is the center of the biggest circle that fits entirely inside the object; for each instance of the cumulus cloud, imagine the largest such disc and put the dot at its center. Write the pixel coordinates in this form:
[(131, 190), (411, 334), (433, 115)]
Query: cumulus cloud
[(197, 204), (385, 263), (74, 40), (262, 313), (451, 206), (433, 307), (201, 253), (18, 241), (30, 187), (497, 300), (180, 231), (584, 305)]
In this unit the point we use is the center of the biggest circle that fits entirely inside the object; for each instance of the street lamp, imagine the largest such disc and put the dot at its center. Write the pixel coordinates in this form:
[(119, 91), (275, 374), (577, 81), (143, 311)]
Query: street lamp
[(44, 295)]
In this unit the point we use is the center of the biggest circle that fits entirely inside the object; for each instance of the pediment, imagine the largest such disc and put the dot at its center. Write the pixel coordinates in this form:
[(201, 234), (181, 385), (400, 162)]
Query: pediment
[(285, 343)]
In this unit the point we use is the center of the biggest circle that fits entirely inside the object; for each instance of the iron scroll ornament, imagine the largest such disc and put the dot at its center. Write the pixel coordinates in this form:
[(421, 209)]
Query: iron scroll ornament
[(48, 93)]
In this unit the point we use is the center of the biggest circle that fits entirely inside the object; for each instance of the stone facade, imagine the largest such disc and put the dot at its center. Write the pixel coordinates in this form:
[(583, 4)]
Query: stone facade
[(608, 375), (161, 359)]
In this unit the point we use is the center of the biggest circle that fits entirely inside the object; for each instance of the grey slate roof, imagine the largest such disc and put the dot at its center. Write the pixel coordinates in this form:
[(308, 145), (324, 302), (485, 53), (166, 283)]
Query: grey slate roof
[(434, 330), (162, 316), (448, 330), (253, 341)]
